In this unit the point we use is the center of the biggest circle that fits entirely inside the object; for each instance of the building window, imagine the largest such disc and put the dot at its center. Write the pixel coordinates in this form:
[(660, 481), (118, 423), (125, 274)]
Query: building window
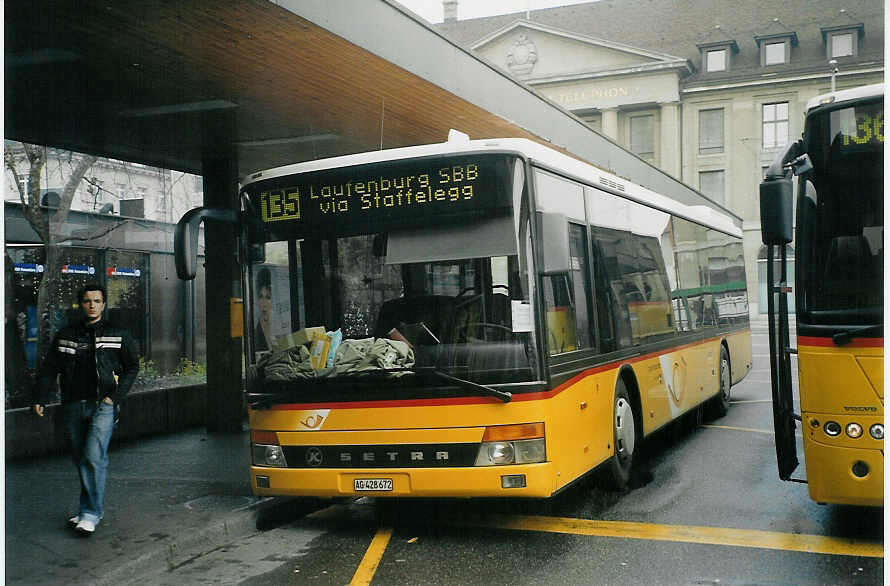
[(774, 54), (775, 125), (642, 137), (711, 183), (776, 49), (593, 120), (842, 41), (710, 131), (717, 56), (716, 60), (842, 45)]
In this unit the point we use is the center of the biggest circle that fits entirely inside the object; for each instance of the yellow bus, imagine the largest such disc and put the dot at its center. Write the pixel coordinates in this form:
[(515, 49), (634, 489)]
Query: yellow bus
[(839, 243), (476, 318)]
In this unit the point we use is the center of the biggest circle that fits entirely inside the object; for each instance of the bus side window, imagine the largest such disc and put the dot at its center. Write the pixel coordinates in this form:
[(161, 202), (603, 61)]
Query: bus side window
[(580, 279), (561, 333), (567, 299), (603, 302)]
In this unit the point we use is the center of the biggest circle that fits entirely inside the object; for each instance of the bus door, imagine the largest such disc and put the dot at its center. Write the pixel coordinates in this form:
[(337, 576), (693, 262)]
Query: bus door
[(776, 195)]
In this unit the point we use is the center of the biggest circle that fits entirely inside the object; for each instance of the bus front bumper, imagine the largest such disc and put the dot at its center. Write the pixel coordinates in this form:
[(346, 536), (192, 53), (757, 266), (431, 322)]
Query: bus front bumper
[(835, 474), (482, 481)]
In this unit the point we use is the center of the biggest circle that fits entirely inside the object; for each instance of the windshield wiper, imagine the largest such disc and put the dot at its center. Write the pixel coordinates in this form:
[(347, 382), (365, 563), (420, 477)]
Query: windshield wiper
[(260, 400), (845, 336), (485, 390)]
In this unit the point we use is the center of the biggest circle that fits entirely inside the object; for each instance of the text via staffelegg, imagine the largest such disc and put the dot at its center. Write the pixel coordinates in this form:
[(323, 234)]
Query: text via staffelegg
[(448, 186)]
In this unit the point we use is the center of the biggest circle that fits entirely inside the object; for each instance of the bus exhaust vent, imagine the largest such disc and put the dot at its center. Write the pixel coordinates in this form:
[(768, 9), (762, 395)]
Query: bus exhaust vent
[(612, 184)]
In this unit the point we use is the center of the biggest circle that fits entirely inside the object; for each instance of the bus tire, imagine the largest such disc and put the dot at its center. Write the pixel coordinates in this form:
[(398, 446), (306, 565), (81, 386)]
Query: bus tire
[(720, 403), (624, 438)]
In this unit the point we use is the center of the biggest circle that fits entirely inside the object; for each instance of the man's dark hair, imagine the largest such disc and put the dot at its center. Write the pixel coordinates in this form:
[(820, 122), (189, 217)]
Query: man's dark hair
[(91, 287), (264, 279)]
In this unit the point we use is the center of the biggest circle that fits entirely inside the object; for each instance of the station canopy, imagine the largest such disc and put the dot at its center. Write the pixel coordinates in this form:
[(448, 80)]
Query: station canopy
[(303, 79)]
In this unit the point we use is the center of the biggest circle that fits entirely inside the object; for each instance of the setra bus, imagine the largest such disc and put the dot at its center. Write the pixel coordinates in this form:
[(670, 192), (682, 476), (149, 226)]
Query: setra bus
[(477, 318), (839, 299)]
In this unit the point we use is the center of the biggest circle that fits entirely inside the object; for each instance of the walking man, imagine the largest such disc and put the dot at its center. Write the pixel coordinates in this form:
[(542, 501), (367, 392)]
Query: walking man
[(96, 364)]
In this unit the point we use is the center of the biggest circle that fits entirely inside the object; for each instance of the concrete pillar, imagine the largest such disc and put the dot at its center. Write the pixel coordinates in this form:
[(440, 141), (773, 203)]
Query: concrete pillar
[(610, 123), (670, 153), (225, 399)]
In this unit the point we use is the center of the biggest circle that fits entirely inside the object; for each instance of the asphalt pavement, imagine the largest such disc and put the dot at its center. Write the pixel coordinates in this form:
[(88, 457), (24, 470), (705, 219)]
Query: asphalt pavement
[(169, 498)]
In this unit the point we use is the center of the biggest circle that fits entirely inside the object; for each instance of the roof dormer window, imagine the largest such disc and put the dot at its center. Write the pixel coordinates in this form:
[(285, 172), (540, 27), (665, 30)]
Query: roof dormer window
[(717, 56), (715, 60), (776, 49), (842, 41)]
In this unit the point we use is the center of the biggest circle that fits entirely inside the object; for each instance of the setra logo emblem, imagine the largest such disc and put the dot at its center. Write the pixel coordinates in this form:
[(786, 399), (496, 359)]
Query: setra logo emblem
[(314, 457)]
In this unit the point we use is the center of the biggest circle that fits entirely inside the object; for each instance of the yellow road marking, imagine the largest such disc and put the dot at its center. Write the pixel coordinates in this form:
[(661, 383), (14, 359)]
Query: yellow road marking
[(684, 533), (368, 566)]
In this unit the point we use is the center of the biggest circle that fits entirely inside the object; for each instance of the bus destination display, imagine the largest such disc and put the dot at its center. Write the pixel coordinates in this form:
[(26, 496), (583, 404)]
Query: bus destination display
[(396, 190), (861, 126)]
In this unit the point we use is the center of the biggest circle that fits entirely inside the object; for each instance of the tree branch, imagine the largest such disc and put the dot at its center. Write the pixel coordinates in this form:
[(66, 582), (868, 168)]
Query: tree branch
[(94, 236)]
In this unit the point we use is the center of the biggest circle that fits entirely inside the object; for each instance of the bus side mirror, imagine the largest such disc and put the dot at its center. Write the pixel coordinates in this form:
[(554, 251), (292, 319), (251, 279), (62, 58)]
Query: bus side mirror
[(185, 238), (776, 220), (553, 232)]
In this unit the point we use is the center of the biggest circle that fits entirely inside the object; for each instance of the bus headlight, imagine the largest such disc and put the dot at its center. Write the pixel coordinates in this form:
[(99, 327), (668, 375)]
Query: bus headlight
[(515, 452), (877, 431), (501, 453), (854, 430), (266, 455), (520, 443), (832, 428)]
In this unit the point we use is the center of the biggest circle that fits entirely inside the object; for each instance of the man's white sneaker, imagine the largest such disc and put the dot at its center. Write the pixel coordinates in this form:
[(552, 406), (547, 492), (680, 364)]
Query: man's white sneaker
[(73, 521), (85, 527)]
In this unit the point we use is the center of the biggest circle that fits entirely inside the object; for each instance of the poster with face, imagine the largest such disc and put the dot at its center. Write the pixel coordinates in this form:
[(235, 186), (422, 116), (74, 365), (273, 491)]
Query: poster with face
[(271, 293)]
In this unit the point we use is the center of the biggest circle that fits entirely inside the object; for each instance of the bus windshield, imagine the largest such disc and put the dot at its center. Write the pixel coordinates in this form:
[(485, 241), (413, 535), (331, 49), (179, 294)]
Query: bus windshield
[(405, 293), (840, 244)]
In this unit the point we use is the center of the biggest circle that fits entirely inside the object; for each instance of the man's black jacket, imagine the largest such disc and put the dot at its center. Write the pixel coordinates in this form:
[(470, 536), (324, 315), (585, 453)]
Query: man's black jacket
[(110, 348)]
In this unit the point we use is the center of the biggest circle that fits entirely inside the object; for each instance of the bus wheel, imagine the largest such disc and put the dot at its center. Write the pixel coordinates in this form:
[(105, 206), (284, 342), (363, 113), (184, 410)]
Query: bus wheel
[(624, 433), (720, 403)]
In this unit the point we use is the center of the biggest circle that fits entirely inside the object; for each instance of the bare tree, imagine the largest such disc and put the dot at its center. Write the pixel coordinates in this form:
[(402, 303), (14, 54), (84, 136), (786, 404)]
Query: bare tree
[(46, 221)]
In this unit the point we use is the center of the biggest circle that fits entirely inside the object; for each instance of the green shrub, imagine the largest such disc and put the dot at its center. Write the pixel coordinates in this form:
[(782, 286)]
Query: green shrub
[(189, 368), (147, 368)]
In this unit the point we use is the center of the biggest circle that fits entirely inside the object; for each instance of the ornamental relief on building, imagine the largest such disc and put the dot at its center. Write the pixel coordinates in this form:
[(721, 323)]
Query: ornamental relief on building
[(522, 55)]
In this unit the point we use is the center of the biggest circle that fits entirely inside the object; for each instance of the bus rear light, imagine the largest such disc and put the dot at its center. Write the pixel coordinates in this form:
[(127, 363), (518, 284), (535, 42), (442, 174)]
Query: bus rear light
[(876, 431), (832, 428), (854, 430), (258, 436), (513, 432)]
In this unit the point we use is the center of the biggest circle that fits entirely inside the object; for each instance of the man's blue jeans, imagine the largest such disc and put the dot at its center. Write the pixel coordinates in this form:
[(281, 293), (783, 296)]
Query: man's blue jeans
[(89, 428)]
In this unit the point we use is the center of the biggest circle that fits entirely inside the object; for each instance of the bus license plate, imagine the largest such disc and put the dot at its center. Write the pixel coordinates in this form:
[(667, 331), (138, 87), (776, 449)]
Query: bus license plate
[(373, 484)]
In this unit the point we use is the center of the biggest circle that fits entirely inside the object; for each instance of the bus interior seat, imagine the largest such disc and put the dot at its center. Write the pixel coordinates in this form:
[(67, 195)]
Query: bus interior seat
[(435, 311)]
